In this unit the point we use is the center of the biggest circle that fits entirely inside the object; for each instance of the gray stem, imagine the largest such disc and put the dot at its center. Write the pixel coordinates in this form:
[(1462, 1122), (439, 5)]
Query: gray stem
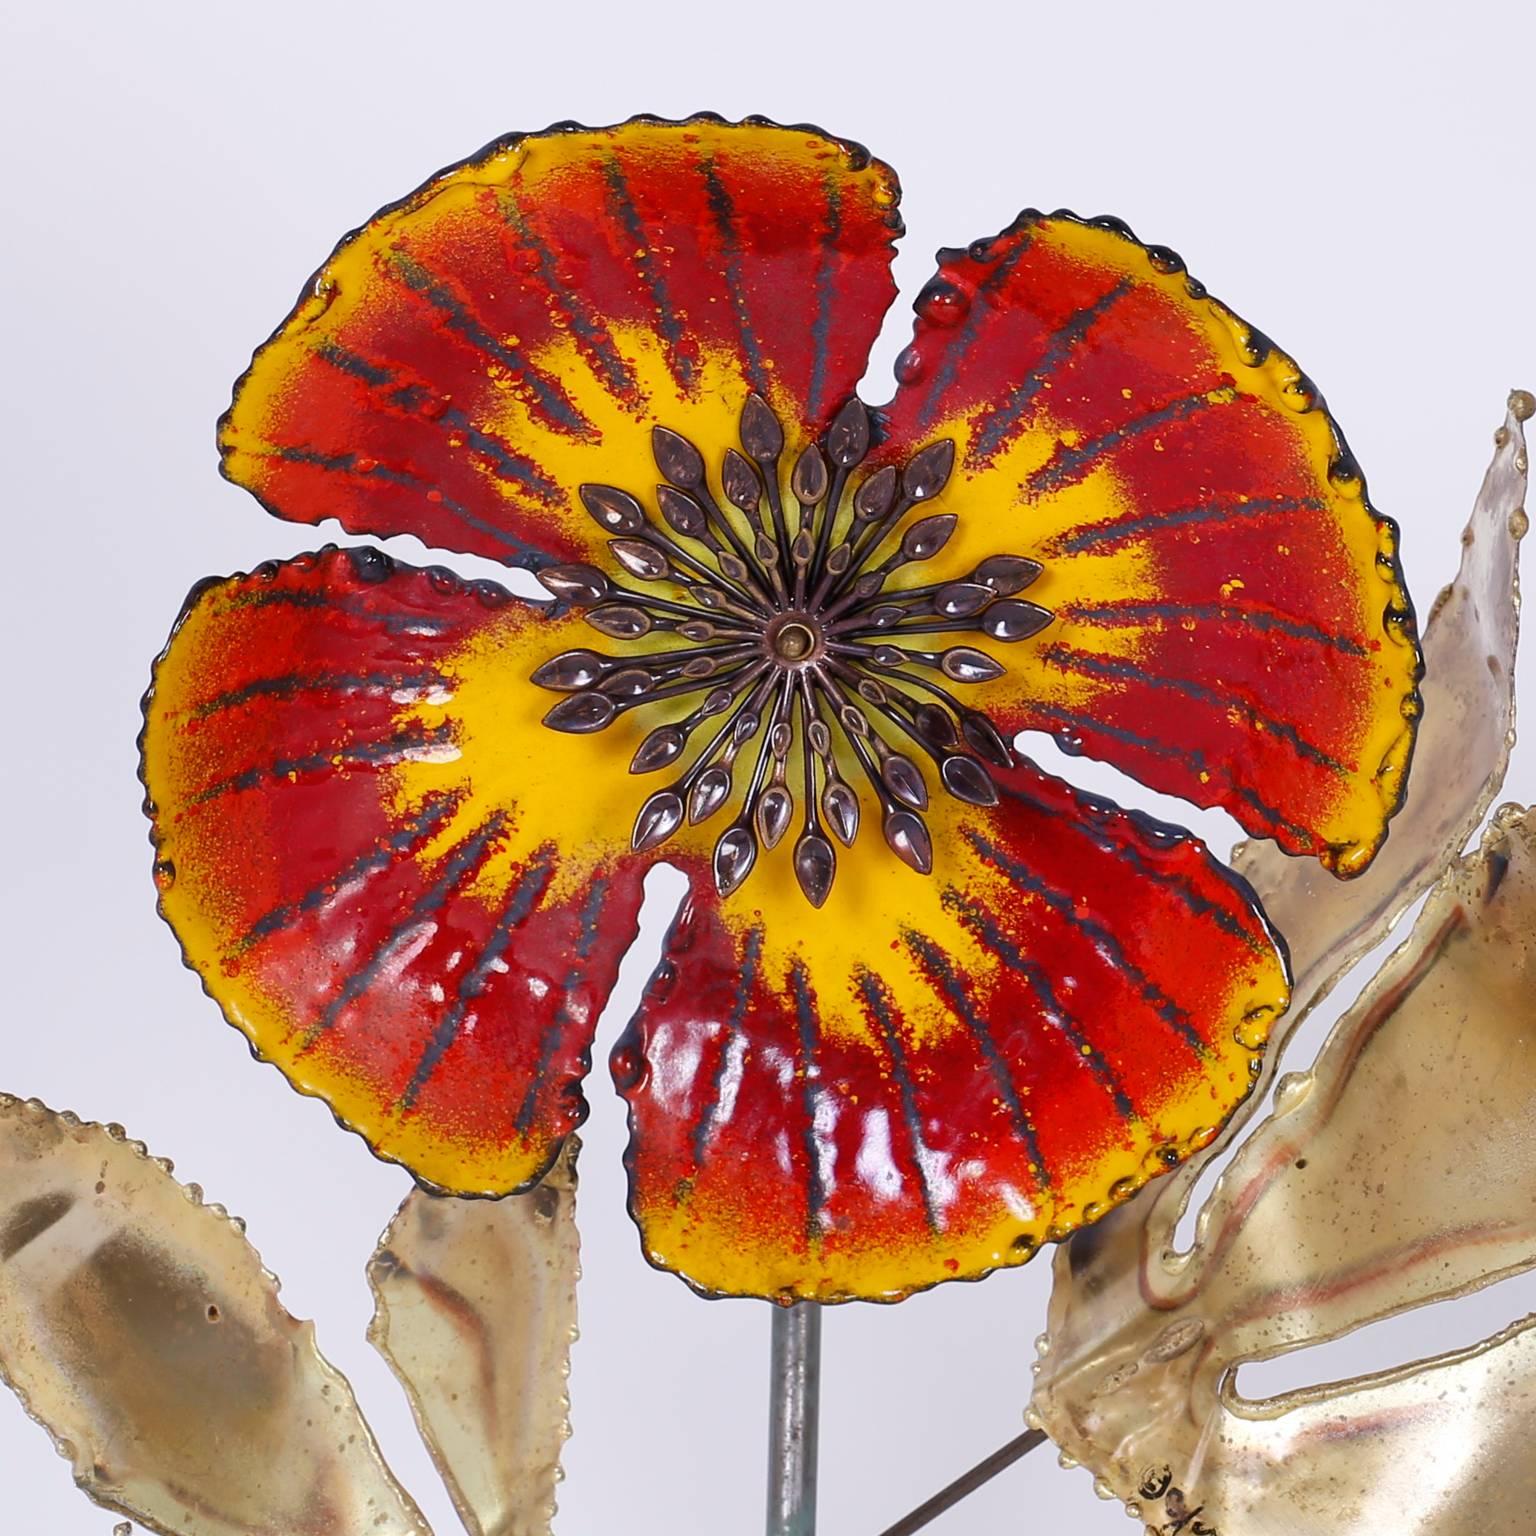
[(984, 1471), (794, 1408)]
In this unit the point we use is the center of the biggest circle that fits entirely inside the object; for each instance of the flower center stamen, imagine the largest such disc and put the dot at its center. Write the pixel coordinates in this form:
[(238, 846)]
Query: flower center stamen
[(788, 635), (792, 640)]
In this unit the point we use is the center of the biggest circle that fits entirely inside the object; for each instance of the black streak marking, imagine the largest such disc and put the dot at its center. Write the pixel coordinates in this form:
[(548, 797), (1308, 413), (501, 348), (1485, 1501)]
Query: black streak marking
[(946, 978), (267, 597), (433, 815), (1105, 944), (405, 746), (620, 381), (1070, 464), (525, 895), (821, 326), (465, 858), (346, 464), (293, 683), (1117, 670), (805, 1019), (554, 1032), (725, 221), (955, 353), (1188, 757), (997, 427), (1123, 528), (667, 323), (510, 465), (353, 363), (551, 400), (751, 966), (1008, 952), (1111, 614), (1198, 904), (414, 400), (878, 1010)]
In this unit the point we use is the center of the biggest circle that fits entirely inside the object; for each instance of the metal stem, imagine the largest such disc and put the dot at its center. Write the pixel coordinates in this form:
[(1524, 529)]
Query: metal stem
[(794, 1409), (967, 1483)]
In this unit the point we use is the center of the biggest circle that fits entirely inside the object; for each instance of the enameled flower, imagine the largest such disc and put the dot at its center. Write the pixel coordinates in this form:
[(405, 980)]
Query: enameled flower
[(926, 1006)]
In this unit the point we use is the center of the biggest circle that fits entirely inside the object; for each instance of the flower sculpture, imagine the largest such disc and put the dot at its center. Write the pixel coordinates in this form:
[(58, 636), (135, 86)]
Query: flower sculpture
[(926, 1006)]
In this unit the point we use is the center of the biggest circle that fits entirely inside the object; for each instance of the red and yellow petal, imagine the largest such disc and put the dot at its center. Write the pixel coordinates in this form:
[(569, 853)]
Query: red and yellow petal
[(1231, 621), (374, 857), (945, 1073), (516, 326)]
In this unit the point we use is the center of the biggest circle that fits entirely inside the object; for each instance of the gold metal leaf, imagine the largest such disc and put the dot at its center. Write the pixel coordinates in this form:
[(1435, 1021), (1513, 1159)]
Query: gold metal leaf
[(1401, 1170), (138, 1326), (475, 1311)]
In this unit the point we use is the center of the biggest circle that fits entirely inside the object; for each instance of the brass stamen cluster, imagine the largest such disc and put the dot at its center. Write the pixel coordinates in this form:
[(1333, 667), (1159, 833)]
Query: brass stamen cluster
[(788, 639)]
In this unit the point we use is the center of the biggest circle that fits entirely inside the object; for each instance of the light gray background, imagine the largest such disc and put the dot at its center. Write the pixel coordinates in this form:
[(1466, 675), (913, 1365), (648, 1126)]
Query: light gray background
[(1353, 178)]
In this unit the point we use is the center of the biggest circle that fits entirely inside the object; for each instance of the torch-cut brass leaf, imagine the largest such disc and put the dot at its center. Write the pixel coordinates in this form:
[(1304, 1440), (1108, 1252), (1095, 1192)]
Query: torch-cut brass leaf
[(475, 1311), (139, 1327), (1401, 1170)]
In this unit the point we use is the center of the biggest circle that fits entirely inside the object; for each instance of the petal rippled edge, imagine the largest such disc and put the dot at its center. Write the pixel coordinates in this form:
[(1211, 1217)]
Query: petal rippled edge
[(863, 1109), (372, 856), (1231, 624), (513, 328)]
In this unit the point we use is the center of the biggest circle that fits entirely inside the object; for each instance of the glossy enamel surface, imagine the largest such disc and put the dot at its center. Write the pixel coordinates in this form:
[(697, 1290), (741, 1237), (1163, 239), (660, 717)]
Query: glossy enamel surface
[(1470, 645), (412, 896), (899, 1100), (417, 922), (428, 956), (513, 328), (1232, 625)]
